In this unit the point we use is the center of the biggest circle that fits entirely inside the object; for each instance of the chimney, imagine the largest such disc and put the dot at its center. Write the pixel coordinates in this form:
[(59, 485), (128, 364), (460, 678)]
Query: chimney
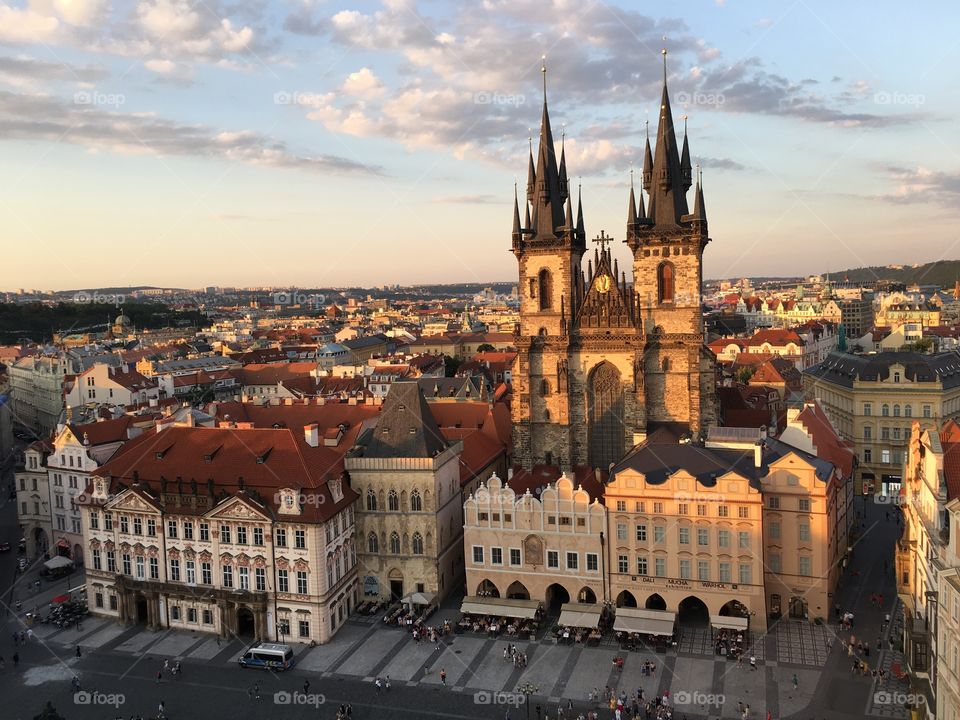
[(758, 454), (311, 433)]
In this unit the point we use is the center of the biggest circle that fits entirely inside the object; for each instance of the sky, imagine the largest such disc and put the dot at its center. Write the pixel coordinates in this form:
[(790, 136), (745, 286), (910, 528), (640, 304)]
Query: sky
[(317, 143)]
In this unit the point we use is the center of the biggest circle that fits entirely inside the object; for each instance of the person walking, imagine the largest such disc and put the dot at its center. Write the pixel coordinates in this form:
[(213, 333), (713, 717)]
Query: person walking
[(256, 691), (161, 708), (79, 654), (796, 681), (159, 676), (306, 687), (177, 668), (753, 662), (16, 660), (443, 677)]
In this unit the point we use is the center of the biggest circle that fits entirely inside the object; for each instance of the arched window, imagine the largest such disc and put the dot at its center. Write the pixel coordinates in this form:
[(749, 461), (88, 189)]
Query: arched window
[(417, 544), (542, 332), (371, 500), (393, 501), (896, 411), (544, 387), (908, 411), (665, 364), (416, 504), (605, 415), (885, 410), (373, 545), (395, 544), (545, 289), (665, 280)]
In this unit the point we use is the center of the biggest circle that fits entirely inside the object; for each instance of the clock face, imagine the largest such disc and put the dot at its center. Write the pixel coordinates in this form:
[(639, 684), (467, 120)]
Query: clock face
[(603, 283)]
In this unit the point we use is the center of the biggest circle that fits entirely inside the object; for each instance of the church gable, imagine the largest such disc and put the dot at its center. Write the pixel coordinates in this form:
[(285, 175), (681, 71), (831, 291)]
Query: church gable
[(607, 303)]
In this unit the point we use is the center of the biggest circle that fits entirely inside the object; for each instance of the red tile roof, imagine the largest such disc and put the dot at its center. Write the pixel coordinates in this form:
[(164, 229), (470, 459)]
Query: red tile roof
[(830, 446), (541, 475), (950, 441)]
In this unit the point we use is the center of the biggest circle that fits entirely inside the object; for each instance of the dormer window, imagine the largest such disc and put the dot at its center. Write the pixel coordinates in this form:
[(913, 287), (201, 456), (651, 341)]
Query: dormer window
[(896, 377)]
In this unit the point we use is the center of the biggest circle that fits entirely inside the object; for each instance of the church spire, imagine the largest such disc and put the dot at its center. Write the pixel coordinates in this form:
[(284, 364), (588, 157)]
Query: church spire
[(668, 202), (685, 169), (548, 201), (581, 231), (699, 209), (564, 192), (632, 209), (531, 175), (647, 162), (517, 230)]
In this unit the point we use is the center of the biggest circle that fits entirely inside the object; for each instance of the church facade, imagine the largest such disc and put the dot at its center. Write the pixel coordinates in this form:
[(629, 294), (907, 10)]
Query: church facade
[(603, 359)]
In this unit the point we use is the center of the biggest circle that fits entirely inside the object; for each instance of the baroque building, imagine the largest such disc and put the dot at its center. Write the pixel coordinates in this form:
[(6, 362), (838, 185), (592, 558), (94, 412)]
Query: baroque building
[(594, 350)]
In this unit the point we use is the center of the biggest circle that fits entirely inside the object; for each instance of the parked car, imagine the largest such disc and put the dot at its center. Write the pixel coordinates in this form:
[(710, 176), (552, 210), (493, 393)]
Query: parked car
[(4, 547)]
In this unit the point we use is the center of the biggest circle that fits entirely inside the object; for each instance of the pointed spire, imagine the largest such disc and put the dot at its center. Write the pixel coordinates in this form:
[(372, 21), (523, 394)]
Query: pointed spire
[(641, 211), (531, 174), (526, 219), (569, 217), (668, 201), (516, 214), (699, 208), (581, 231), (564, 193), (685, 159), (647, 162), (632, 209), (548, 202)]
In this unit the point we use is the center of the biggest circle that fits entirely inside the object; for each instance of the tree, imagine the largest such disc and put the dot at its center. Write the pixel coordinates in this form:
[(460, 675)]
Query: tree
[(49, 712), (486, 347), (744, 374), (451, 365)]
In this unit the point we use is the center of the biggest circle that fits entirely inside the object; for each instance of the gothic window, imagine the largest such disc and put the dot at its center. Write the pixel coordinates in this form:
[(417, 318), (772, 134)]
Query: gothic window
[(416, 504), (542, 332), (605, 414), (545, 289), (665, 364), (395, 544), (417, 544), (544, 387), (665, 280), (371, 500), (373, 545), (393, 501)]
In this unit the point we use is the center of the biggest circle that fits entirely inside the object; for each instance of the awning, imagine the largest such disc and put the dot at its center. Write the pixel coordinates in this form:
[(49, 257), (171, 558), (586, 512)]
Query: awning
[(729, 622), (60, 599), (501, 607), (580, 615), (419, 598), (640, 620), (58, 562)]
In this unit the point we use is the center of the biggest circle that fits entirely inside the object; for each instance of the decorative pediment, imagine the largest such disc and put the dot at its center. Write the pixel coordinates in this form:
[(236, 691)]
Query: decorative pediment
[(125, 547), (235, 508), (129, 501), (94, 543), (301, 565), (173, 554), (243, 560), (283, 563), (226, 558), (607, 303), (139, 550), (109, 545), (153, 551), (259, 561), (189, 552), (206, 556)]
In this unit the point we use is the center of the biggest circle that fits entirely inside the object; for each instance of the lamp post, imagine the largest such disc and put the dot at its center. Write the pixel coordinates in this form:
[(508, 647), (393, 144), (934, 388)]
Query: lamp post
[(527, 689)]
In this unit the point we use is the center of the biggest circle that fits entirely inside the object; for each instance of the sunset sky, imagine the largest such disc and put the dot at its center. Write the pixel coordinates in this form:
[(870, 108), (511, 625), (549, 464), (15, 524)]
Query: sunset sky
[(330, 143)]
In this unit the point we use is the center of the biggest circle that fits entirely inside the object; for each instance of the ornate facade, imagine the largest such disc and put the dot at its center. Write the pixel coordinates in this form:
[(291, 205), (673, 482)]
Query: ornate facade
[(594, 351)]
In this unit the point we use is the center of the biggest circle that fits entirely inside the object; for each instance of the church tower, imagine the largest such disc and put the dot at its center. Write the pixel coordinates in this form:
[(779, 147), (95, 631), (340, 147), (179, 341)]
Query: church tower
[(667, 241)]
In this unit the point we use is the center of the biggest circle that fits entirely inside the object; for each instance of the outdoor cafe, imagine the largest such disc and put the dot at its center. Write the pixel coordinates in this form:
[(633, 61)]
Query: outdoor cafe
[(515, 617), (730, 634), (638, 627), (579, 623)]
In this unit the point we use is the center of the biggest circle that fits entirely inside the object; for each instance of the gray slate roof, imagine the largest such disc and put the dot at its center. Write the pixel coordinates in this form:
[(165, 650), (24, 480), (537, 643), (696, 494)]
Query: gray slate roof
[(842, 368), (406, 428)]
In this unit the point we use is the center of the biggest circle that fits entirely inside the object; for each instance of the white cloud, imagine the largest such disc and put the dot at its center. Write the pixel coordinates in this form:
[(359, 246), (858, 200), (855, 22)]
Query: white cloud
[(25, 25), (363, 84), (82, 13)]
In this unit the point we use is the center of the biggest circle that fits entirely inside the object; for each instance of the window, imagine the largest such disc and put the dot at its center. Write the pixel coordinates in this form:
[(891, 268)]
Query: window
[(701, 510), (775, 530), (188, 531), (171, 528), (885, 410), (703, 570), (684, 534), (927, 411), (723, 511), (300, 539), (174, 612), (703, 536), (573, 561), (623, 564), (621, 531), (227, 576), (724, 572), (175, 569), (867, 432), (154, 569), (774, 559), (746, 573), (301, 582), (773, 503), (151, 527), (514, 554), (723, 538), (371, 500), (743, 512), (884, 433), (114, 602), (804, 532), (867, 455), (207, 617), (639, 506), (641, 533), (373, 544), (885, 456), (660, 567), (191, 615), (684, 569), (743, 540), (94, 517), (621, 505), (137, 526), (496, 556), (304, 627), (683, 509), (896, 433), (258, 536), (393, 501), (805, 567), (804, 504), (191, 569), (553, 559), (658, 508), (908, 411), (225, 533), (108, 522), (206, 573), (642, 565), (96, 560), (416, 504), (867, 409), (665, 275), (124, 523), (545, 289), (896, 377), (281, 537), (243, 576), (283, 581), (593, 562)]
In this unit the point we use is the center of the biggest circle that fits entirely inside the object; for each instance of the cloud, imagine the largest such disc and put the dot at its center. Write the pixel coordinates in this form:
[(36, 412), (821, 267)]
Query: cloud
[(364, 84), (303, 21), (25, 71), (720, 163), (82, 13), (46, 119), (27, 26), (922, 185), (469, 200)]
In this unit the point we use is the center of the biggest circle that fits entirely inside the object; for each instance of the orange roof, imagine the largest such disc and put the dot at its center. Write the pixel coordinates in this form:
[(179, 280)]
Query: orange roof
[(830, 446), (950, 440)]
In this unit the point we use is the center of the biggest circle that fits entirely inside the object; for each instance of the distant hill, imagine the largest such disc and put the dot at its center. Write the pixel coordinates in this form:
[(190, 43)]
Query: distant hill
[(944, 273)]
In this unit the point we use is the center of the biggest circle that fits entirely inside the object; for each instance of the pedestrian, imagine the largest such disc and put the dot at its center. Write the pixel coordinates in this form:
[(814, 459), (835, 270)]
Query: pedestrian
[(218, 641), (386, 682), (796, 681), (753, 662), (379, 684), (166, 665), (78, 651), (159, 676), (161, 708), (306, 687), (256, 691), (176, 668), (16, 659), (443, 676)]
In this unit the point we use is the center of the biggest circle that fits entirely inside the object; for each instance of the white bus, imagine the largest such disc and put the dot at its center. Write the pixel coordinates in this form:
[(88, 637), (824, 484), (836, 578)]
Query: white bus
[(268, 656)]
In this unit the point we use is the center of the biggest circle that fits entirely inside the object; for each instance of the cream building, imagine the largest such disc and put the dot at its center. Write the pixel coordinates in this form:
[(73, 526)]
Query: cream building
[(546, 546), (873, 399), (36, 387), (947, 623), (33, 498), (261, 546)]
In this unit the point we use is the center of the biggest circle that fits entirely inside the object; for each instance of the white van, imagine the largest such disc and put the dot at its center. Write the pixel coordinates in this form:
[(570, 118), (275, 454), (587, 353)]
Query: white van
[(268, 656)]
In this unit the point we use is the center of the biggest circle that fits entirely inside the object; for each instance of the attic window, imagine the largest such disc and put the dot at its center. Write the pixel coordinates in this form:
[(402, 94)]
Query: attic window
[(413, 431), (402, 406)]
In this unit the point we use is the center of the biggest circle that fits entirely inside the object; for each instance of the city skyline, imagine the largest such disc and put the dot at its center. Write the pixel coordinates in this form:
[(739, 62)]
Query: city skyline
[(186, 145)]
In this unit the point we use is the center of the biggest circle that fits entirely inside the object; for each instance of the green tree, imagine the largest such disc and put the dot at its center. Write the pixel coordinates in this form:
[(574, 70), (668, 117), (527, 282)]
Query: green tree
[(744, 374), (49, 712), (452, 365), (486, 347)]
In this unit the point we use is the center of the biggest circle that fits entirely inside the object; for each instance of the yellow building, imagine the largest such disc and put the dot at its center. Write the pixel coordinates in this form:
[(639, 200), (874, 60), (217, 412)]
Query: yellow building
[(873, 399)]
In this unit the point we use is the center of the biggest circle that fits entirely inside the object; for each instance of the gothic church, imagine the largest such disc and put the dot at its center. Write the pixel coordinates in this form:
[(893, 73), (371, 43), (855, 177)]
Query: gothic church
[(604, 360)]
